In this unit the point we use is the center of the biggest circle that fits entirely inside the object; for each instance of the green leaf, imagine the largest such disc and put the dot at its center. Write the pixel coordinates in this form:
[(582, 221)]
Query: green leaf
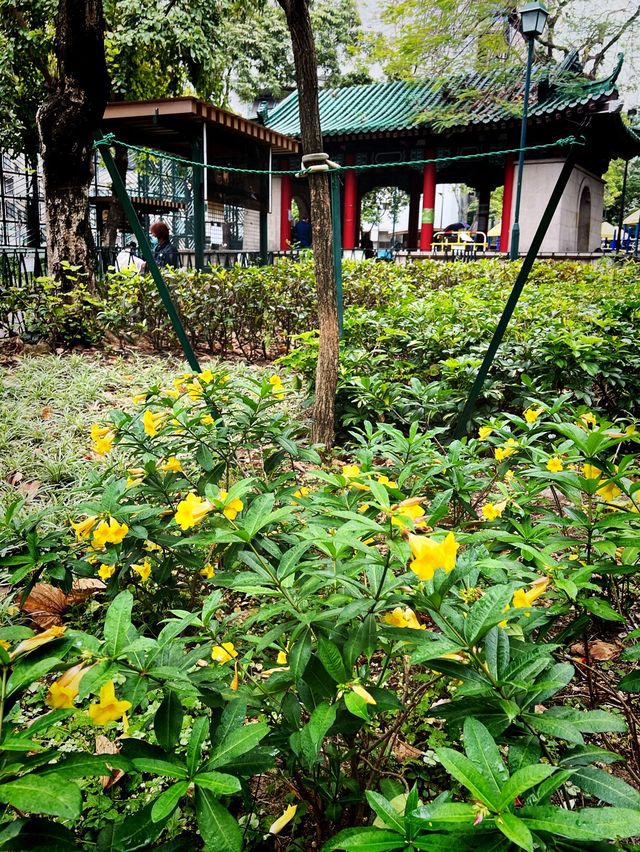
[(331, 659), (38, 834), (444, 815), (299, 655), (82, 765), (136, 832), (217, 782), (159, 767), (606, 787), (463, 770), (217, 827), (522, 780), (365, 840), (356, 705), (199, 734), (483, 752), (117, 623), (585, 824), (385, 811), (515, 830), (434, 649), (314, 732), (56, 796), (167, 801), (554, 727), (29, 671), (487, 612), (233, 717), (630, 682), (602, 609), (237, 742), (167, 723)]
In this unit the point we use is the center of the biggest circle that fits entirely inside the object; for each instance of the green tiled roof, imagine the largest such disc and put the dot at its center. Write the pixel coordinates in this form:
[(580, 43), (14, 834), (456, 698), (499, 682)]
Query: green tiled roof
[(402, 105)]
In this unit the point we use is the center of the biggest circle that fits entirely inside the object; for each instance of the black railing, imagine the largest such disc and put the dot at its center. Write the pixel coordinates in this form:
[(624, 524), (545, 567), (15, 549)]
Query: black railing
[(19, 266)]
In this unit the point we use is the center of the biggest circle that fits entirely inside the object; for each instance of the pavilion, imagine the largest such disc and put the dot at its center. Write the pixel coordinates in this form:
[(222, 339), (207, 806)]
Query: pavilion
[(404, 121)]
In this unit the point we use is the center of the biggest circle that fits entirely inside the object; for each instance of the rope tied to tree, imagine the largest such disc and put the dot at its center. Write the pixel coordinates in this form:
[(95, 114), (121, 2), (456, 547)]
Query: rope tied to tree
[(110, 139)]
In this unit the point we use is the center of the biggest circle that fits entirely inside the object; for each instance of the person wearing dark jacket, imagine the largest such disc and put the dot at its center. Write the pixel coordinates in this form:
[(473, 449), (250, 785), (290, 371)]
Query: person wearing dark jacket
[(164, 252)]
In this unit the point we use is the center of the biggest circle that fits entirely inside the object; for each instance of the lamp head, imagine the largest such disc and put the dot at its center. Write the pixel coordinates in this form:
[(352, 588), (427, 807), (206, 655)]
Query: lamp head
[(533, 19)]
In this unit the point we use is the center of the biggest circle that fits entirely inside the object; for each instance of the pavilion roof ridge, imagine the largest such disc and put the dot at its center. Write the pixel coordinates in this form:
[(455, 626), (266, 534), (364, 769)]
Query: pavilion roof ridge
[(395, 105)]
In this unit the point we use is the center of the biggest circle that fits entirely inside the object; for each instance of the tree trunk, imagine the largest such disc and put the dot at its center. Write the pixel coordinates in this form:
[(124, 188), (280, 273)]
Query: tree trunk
[(66, 122), (304, 53)]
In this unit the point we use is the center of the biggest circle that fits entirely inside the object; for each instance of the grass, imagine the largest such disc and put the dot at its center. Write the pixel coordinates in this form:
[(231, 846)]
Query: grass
[(47, 406)]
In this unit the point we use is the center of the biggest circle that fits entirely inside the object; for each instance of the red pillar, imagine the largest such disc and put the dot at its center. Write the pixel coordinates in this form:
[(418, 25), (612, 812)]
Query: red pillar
[(505, 229), (414, 217), (350, 203), (285, 209), (428, 203)]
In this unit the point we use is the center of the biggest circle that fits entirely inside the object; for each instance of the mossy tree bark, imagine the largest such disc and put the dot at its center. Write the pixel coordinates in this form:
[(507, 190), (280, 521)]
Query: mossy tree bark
[(66, 122), (304, 53)]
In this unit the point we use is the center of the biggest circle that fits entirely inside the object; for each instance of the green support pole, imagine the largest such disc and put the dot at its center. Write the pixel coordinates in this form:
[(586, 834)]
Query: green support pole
[(337, 245), (145, 249), (512, 301), (198, 204)]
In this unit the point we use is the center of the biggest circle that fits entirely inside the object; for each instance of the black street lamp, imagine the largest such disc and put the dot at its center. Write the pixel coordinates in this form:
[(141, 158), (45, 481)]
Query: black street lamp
[(533, 19)]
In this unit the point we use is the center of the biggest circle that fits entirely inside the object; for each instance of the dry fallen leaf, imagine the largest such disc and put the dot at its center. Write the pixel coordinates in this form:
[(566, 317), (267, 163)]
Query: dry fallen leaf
[(105, 746), (598, 650), (15, 478), (46, 604), (29, 489), (47, 411)]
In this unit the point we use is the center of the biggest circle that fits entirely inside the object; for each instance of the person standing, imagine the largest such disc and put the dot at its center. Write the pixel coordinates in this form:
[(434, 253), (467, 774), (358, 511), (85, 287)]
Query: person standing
[(164, 252)]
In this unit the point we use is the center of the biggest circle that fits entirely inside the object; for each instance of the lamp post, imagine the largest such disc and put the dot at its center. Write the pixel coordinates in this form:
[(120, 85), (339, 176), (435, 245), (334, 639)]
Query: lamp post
[(441, 194), (533, 19)]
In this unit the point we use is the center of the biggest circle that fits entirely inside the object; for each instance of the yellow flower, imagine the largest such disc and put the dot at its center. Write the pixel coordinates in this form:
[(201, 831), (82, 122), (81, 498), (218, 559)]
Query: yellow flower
[(136, 476), (502, 453), (277, 388), (63, 691), (32, 642), (609, 492), (108, 533), (590, 471), (206, 376), (429, 555), (405, 516), (285, 819), (363, 507), (555, 464), (491, 511), (303, 491), (587, 421), (282, 658), (484, 432), (208, 572), (384, 480), (403, 618), (233, 508), (362, 692), (171, 393), (350, 470), (532, 414), (4, 643), (151, 422), (151, 546), (106, 571), (172, 464), (191, 511), (102, 439), (143, 570), (194, 389), (109, 709), (138, 398), (207, 420), (508, 475), (83, 529), (224, 653), (523, 598)]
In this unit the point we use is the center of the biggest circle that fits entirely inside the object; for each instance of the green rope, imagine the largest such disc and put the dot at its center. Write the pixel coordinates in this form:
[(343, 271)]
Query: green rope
[(109, 139)]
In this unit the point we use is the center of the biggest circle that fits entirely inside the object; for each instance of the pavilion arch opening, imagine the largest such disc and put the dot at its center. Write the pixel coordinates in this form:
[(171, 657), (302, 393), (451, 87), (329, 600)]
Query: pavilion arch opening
[(584, 220)]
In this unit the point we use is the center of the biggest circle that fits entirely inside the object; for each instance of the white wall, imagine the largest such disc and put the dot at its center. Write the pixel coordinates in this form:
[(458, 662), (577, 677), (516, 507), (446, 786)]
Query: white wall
[(538, 181)]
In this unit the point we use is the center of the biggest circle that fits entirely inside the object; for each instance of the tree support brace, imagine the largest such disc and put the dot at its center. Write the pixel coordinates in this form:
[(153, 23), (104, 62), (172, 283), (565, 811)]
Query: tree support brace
[(145, 249), (512, 301)]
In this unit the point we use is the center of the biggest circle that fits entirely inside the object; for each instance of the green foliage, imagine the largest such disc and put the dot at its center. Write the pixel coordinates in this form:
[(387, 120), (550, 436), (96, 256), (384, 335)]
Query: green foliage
[(266, 615)]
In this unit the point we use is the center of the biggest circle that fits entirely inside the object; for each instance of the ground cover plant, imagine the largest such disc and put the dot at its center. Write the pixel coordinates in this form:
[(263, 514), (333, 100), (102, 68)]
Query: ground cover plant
[(264, 648), (414, 334)]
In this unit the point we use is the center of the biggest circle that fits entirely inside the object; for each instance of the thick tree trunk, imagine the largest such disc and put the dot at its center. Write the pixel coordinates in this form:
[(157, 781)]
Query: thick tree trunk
[(66, 122), (304, 53)]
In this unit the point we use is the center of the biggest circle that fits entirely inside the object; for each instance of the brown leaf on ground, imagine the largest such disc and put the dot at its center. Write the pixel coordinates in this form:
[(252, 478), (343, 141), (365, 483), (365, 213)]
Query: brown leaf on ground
[(47, 411), (598, 650), (403, 751), (15, 478), (29, 489), (105, 746), (46, 604)]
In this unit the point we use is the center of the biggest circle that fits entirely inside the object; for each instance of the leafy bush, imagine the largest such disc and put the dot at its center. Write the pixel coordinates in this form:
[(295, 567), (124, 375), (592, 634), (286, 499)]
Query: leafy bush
[(267, 620)]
